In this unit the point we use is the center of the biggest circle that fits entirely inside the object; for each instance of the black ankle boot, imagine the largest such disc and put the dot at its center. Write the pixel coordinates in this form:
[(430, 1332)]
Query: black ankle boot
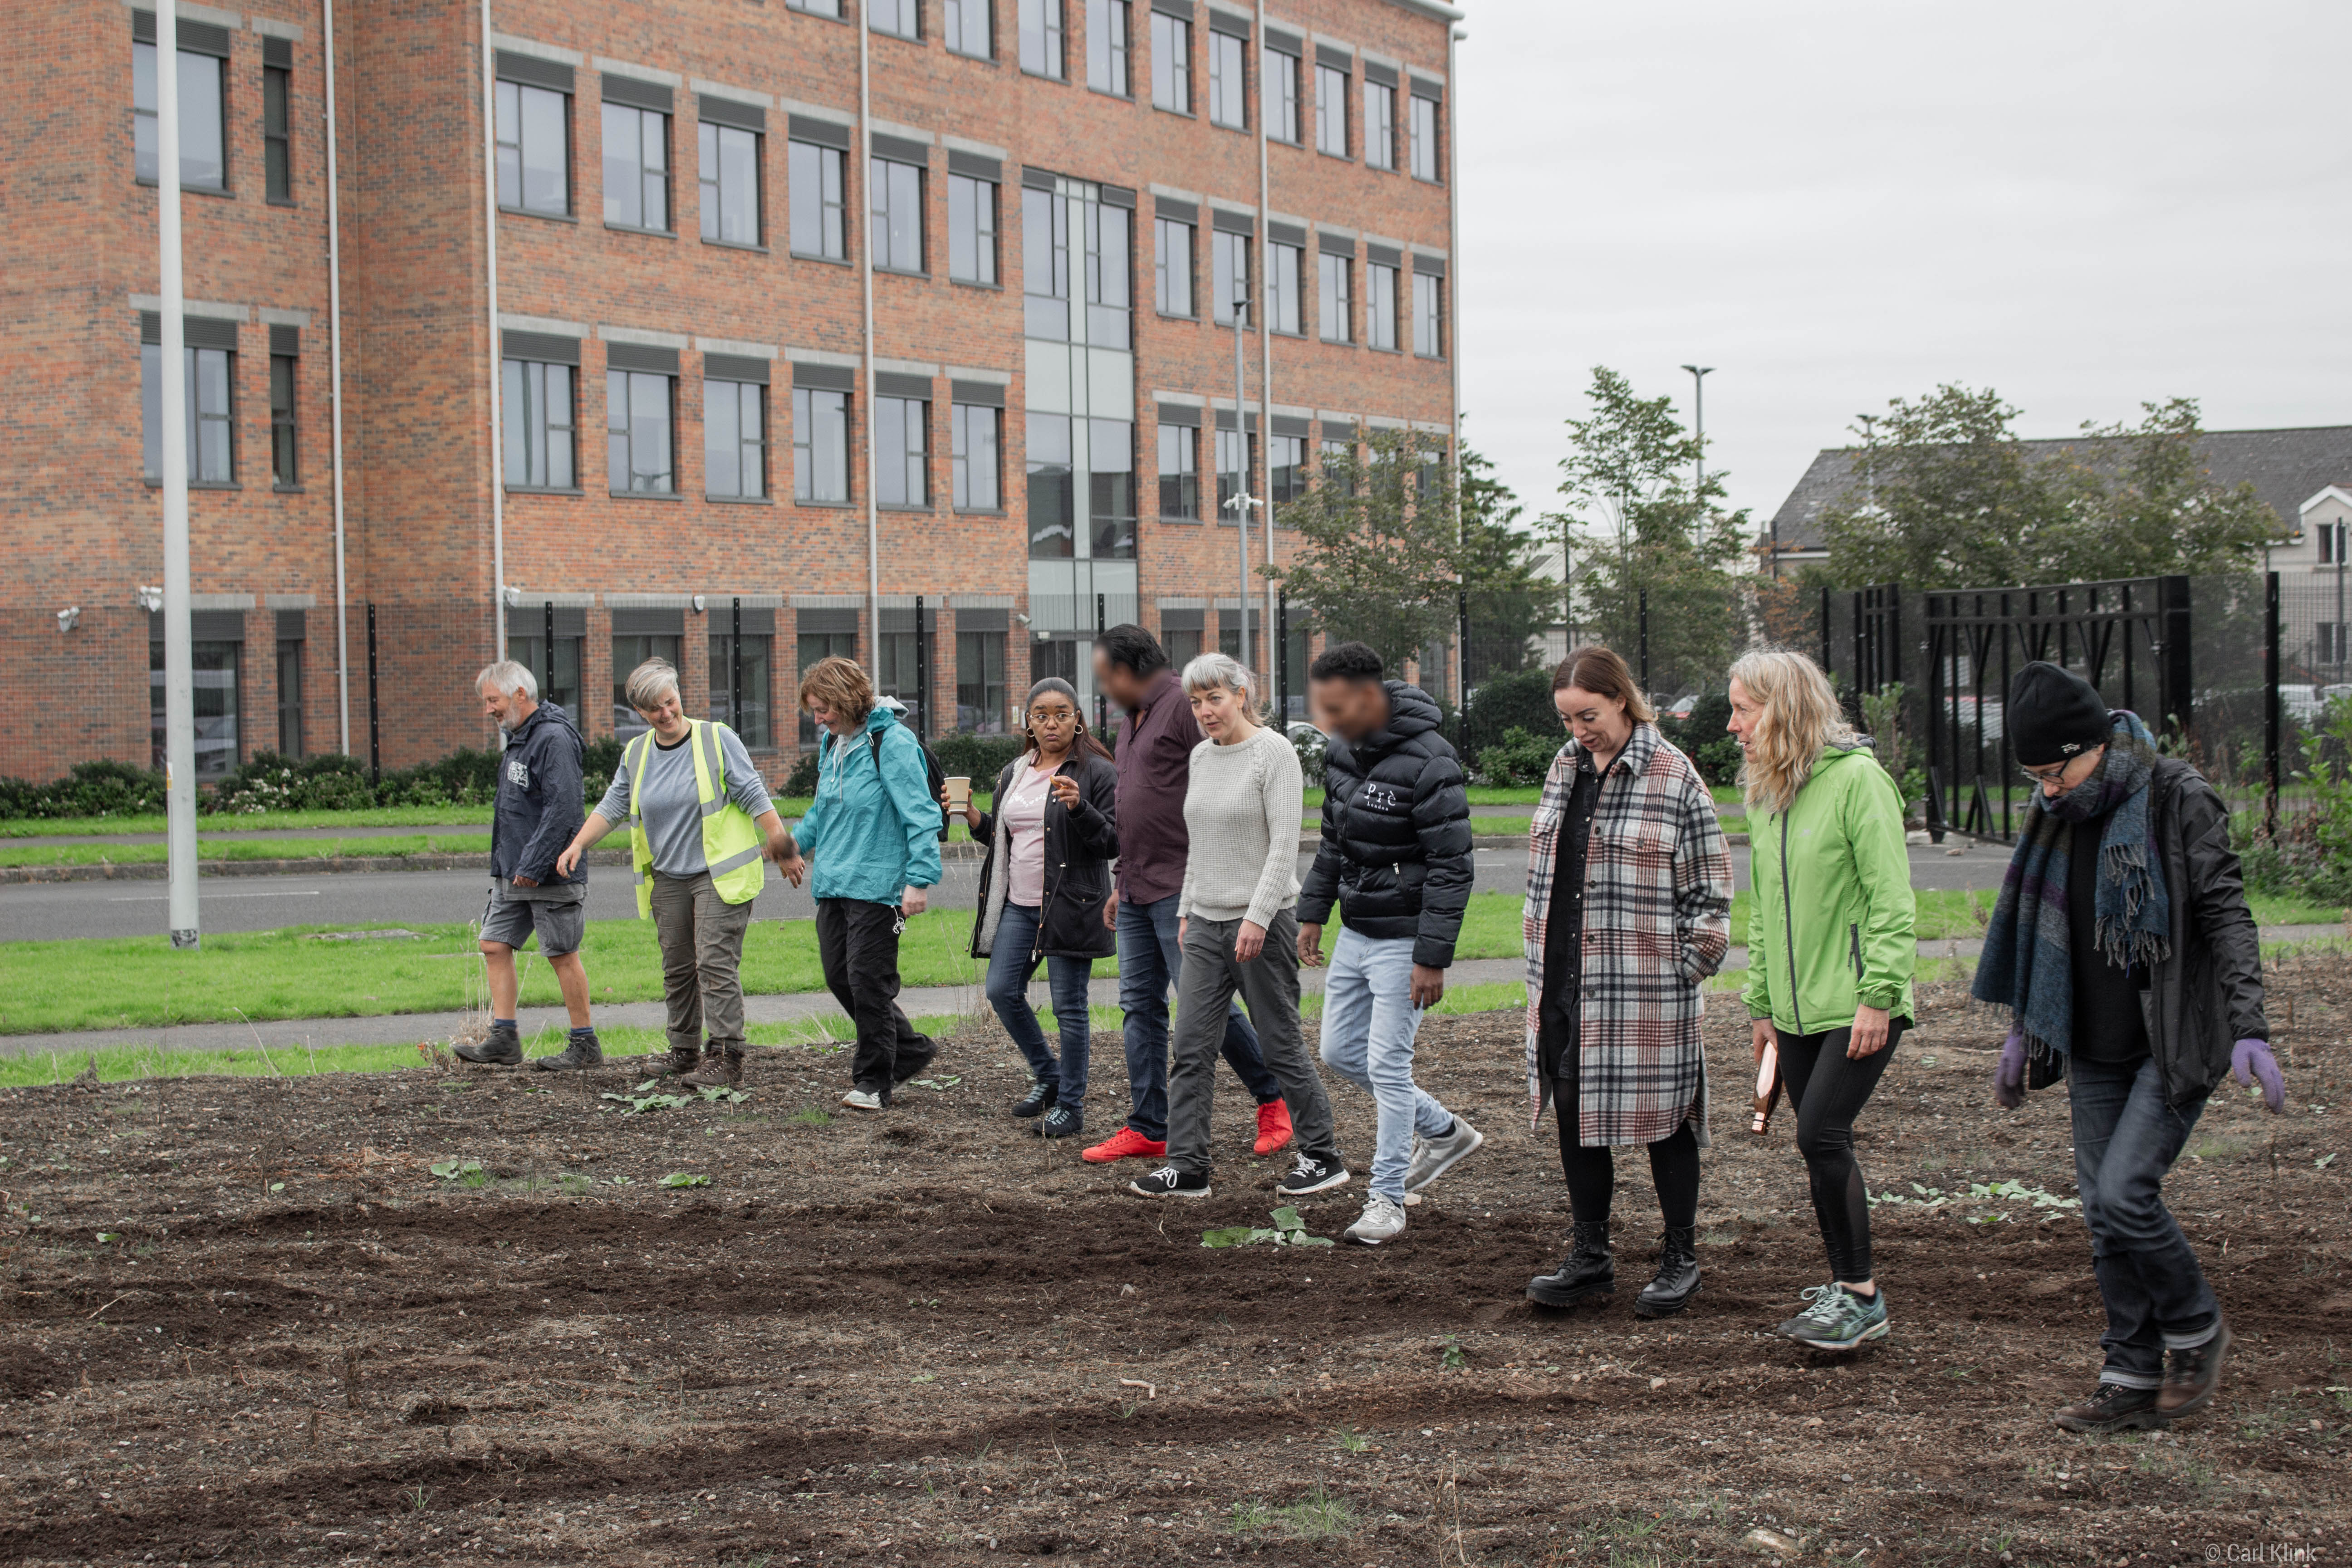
[(1590, 1270), (1678, 1279)]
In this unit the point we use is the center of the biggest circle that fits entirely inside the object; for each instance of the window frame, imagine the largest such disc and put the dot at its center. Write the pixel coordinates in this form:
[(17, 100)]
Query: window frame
[(1111, 43), (1379, 151), (628, 431), (193, 371), (956, 19), (277, 142), (804, 448), (711, 206), (1219, 296), (829, 9), (1161, 273), (1239, 479), (284, 451), (985, 238), (757, 448), (1283, 285), (520, 204), (904, 10), (1335, 297), (1330, 112), (726, 650), (1381, 325), (220, 131), (884, 198), (546, 429), (961, 458), (1282, 72), (901, 431), (1228, 53), (1186, 475), (646, 181), (1172, 64), (1051, 60), (1433, 316), (1422, 106), (1280, 491), (984, 641), (1035, 424), (832, 165)]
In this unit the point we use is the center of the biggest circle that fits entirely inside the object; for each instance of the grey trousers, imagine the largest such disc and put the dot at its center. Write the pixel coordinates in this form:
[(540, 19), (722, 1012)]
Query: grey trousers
[(1268, 985), (701, 938)]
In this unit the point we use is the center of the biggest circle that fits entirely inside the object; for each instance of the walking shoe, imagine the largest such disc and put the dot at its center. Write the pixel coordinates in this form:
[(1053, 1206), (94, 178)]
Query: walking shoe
[(1312, 1176), (501, 1048), (678, 1060), (1383, 1220), (1126, 1143), (722, 1067), (865, 1100), (1168, 1182), (1037, 1102), (915, 1063), (2113, 1408), (580, 1051), (2193, 1375), (1061, 1122), (1432, 1157), (1678, 1279), (1838, 1319), (1272, 1127), (1590, 1270)]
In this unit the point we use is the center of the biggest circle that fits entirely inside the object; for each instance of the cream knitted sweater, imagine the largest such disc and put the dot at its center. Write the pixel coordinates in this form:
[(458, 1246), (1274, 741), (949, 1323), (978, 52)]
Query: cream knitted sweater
[(1242, 811)]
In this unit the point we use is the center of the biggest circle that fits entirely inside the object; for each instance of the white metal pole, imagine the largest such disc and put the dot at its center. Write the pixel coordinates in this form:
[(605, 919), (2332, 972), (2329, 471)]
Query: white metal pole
[(1452, 318), (1240, 458), (178, 684), (490, 274), (866, 278), (1268, 626), (335, 396)]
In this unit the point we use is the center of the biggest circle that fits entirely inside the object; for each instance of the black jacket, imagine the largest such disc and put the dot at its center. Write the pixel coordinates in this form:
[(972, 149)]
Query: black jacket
[(1396, 833), (2208, 995), (1081, 842), (538, 807)]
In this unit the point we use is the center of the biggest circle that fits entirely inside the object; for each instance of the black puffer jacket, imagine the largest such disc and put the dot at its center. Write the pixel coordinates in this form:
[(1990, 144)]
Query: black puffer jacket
[(2207, 995), (1396, 833), (1081, 841)]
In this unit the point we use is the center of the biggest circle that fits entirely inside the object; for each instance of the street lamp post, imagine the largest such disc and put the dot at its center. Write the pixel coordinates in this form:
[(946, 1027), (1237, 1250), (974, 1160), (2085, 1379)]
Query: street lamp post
[(1699, 373), (179, 680), (1242, 501)]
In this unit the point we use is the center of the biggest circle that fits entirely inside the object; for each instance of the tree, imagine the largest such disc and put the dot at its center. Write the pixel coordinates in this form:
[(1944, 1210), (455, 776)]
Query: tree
[(1380, 556), (1508, 604), (2143, 503)]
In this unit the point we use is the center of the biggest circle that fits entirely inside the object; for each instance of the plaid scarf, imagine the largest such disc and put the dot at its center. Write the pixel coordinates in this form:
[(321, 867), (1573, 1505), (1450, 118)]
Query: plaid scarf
[(2027, 967)]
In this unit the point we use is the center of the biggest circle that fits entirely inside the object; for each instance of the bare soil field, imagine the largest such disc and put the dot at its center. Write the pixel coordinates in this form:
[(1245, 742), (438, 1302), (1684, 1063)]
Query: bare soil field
[(245, 1321)]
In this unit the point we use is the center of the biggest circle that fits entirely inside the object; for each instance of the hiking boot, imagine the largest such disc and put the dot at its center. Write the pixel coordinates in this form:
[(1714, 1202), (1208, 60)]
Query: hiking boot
[(501, 1048), (1272, 1127), (722, 1067), (580, 1051), (865, 1099), (1838, 1319), (1590, 1270), (1432, 1157), (1383, 1220), (1037, 1102), (1312, 1176), (2193, 1375), (1062, 1122), (1126, 1143), (1168, 1182), (678, 1060), (2113, 1408), (1678, 1279), (913, 1064)]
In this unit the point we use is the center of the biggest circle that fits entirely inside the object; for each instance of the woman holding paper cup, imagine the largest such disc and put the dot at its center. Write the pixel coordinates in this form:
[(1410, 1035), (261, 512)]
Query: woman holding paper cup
[(1051, 839)]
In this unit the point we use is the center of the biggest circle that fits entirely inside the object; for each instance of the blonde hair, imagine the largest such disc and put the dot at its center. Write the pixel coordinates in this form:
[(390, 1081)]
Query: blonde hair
[(1222, 672), (1798, 718), (841, 684), (648, 681)]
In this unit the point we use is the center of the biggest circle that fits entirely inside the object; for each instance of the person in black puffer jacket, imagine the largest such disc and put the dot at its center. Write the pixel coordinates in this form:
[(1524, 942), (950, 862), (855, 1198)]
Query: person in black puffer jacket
[(1396, 859)]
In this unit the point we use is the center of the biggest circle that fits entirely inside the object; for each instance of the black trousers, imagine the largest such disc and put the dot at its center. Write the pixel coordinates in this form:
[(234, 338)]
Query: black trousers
[(857, 944), (1829, 1090), (1591, 1170)]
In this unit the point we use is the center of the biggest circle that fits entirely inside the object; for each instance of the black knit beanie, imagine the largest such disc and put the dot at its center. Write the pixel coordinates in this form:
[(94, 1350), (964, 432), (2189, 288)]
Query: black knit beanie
[(2054, 715)]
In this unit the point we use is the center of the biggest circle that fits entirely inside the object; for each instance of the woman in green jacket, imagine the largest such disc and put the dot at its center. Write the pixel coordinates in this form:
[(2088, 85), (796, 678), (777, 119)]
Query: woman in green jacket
[(1830, 950)]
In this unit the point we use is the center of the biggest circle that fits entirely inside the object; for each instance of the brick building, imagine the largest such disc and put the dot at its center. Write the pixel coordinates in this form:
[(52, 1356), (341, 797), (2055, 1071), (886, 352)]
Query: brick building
[(926, 314)]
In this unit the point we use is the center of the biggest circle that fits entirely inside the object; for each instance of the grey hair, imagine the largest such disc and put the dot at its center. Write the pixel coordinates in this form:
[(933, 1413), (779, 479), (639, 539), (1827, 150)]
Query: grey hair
[(1222, 671), (508, 675), (647, 683)]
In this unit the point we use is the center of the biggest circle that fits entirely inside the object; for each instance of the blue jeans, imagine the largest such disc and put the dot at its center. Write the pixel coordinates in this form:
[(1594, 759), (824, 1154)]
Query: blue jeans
[(1369, 1024), (2125, 1139), (1010, 966), (1150, 959)]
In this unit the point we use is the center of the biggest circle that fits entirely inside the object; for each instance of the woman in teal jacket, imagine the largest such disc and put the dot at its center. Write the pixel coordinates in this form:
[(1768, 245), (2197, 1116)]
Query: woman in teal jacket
[(1829, 952), (873, 838)]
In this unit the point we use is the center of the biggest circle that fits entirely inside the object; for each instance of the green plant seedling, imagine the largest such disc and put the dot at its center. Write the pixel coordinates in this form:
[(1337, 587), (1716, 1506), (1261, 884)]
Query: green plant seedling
[(1288, 1230), (681, 1179), (1454, 1358), (465, 1172)]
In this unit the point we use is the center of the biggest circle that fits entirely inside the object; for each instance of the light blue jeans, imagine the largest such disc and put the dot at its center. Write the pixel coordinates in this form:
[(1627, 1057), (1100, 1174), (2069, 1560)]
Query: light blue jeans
[(1368, 1025)]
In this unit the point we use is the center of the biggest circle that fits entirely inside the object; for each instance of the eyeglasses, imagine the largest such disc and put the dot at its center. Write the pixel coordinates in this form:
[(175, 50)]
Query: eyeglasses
[(2053, 773), (1053, 716)]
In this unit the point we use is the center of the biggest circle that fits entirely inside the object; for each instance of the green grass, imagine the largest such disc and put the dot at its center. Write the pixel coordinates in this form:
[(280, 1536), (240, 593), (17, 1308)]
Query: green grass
[(33, 852), (381, 816)]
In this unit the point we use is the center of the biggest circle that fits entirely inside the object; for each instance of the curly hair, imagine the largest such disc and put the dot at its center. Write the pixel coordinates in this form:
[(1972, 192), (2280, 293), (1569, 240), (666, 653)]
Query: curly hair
[(841, 685)]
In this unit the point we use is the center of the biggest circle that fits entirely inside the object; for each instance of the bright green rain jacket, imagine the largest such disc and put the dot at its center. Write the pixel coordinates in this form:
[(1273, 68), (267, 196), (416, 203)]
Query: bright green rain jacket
[(1830, 921)]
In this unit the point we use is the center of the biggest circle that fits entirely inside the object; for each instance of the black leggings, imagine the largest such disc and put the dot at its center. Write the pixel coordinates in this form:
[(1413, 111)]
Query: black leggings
[(1591, 1171), (1829, 1090)]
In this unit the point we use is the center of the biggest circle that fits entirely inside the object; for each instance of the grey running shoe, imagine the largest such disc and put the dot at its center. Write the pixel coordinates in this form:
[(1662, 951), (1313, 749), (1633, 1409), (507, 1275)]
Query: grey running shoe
[(1383, 1220), (864, 1099), (1838, 1319), (1432, 1157)]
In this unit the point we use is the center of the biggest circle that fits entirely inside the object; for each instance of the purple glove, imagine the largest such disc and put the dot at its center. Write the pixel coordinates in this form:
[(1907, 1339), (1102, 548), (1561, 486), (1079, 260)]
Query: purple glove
[(2252, 1059), (2009, 1077)]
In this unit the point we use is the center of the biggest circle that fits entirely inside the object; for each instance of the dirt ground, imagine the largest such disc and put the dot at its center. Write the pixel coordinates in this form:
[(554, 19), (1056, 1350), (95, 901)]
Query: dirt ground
[(245, 1323)]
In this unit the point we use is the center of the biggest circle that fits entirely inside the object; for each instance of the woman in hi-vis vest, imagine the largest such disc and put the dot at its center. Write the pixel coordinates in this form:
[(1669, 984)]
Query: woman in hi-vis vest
[(699, 827)]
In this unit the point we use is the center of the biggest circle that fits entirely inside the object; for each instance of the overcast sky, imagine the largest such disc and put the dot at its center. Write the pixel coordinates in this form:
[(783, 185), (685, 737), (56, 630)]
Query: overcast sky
[(2082, 202)]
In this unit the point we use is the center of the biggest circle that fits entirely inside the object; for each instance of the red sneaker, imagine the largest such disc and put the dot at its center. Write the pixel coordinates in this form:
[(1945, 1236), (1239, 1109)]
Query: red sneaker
[(1126, 1143), (1273, 1126)]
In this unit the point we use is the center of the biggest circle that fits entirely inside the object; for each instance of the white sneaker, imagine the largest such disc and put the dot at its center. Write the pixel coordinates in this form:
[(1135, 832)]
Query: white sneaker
[(864, 1099), (1432, 1157), (1383, 1220)]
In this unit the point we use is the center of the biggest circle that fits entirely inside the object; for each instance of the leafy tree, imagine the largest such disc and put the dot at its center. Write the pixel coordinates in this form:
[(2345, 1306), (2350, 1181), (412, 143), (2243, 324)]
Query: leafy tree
[(2143, 503), (1509, 605), (1380, 556)]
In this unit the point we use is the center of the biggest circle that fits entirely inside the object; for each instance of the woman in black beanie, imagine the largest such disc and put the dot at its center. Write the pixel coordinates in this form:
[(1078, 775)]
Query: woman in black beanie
[(2124, 955)]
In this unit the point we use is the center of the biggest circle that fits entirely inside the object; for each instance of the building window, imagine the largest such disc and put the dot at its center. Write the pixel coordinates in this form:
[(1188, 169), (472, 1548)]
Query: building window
[(558, 678), (1183, 643), (972, 229), (1110, 299), (1228, 275), (896, 234), (1334, 297), (817, 646), (277, 139), (1171, 267), (816, 7), (1427, 341), (1330, 112), (213, 667), (283, 467), (534, 149), (820, 446), (1285, 458), (1107, 46), (899, 670), (818, 225), (1228, 80), (975, 475), (1045, 263), (1381, 306), (636, 167), (289, 697), (210, 377), (899, 18), (1179, 473), (980, 682), (1053, 511), (1282, 264), (902, 451), (1425, 137), (734, 439), (637, 433), (1281, 88), (1041, 37), (971, 30), (203, 133), (630, 650), (1172, 63), (535, 404), (731, 184), (1235, 463), (739, 681), (1111, 480), (1379, 125)]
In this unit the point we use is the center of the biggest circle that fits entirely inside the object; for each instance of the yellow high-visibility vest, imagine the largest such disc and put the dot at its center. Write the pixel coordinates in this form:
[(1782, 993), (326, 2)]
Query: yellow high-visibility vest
[(731, 842)]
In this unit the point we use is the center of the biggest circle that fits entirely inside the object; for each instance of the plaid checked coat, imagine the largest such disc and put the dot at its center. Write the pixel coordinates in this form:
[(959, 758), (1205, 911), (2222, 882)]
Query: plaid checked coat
[(1657, 922)]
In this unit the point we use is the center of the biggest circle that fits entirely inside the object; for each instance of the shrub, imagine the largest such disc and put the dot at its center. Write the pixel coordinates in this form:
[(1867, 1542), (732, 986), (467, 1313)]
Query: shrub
[(979, 758), (90, 789), (1520, 699), (1703, 740), (802, 780), (1517, 759)]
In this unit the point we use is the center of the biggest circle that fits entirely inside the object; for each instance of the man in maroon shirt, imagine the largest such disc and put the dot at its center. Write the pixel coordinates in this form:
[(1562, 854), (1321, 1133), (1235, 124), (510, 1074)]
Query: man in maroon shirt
[(1155, 769)]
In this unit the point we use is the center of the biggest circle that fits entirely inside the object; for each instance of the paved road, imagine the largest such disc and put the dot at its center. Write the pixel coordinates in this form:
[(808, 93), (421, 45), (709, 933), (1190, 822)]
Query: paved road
[(30, 911)]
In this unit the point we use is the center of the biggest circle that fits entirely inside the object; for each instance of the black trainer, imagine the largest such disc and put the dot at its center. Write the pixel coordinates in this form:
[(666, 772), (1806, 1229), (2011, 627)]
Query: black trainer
[(1061, 1122), (1312, 1176), (1168, 1182), (1037, 1102), (501, 1048), (915, 1063), (1678, 1279), (1590, 1270), (2113, 1408), (580, 1051)]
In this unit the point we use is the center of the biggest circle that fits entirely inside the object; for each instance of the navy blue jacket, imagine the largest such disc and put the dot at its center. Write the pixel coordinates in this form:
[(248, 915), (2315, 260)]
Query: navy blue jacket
[(539, 804), (1396, 833)]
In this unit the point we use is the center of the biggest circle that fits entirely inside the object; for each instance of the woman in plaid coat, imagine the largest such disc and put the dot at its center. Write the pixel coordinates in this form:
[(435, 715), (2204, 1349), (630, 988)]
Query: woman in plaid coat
[(1628, 912)]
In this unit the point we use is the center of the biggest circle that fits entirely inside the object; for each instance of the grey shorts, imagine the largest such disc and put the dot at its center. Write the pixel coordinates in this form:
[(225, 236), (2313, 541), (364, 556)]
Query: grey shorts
[(559, 925)]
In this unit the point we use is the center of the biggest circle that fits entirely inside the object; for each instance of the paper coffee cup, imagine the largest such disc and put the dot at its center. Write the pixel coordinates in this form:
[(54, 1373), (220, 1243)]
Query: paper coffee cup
[(958, 791)]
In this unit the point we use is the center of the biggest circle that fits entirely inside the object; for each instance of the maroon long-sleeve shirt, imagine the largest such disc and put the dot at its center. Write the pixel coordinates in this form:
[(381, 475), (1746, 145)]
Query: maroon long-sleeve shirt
[(1155, 770)]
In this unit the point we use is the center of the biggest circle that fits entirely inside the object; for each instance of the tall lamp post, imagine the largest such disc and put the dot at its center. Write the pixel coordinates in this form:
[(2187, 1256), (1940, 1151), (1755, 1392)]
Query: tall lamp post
[(1699, 373), (1242, 501), (179, 680)]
